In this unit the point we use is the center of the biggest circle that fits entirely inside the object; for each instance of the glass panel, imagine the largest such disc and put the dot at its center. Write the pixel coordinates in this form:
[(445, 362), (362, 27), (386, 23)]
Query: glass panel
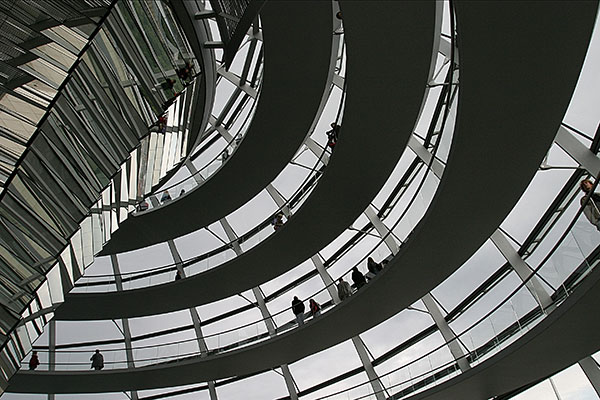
[(21, 107), (21, 128)]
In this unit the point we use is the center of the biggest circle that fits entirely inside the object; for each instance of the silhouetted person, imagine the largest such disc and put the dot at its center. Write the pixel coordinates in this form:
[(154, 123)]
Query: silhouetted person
[(97, 360), (177, 275), (168, 84), (225, 155), (143, 206), (165, 197), (315, 308), (162, 123), (277, 221), (298, 310), (182, 192), (358, 278), (34, 361), (333, 135), (592, 209), (185, 73), (373, 268), (344, 289)]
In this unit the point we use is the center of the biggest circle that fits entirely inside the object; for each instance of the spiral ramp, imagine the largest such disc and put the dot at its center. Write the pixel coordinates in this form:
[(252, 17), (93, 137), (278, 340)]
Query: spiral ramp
[(285, 112), (497, 146)]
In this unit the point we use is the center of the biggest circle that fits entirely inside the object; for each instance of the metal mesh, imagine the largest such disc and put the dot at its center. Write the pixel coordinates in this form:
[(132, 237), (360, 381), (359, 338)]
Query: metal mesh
[(230, 12)]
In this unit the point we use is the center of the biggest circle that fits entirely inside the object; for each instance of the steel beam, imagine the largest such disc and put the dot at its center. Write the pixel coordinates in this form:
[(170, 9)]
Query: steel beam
[(534, 285), (124, 321), (592, 371), (578, 151)]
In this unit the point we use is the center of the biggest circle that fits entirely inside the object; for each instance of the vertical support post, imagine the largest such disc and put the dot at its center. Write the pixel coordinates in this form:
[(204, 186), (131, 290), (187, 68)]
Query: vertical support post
[(326, 278), (361, 350), (289, 382), (382, 230), (221, 129), (124, 321), (577, 150), (264, 311), (521, 268), (52, 350), (196, 321), (554, 389), (446, 331), (421, 151), (317, 150), (231, 235), (338, 81), (359, 345), (279, 200), (194, 171), (592, 371)]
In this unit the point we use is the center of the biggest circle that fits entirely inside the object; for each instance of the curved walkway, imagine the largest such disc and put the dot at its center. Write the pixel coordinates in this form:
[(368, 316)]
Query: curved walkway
[(573, 326), (376, 127), (501, 56), (297, 50)]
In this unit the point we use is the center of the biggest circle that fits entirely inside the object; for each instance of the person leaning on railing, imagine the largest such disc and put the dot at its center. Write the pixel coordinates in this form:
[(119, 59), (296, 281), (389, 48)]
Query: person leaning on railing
[(344, 289), (34, 361), (298, 310), (277, 220), (333, 135), (315, 308), (97, 360), (373, 267), (592, 208)]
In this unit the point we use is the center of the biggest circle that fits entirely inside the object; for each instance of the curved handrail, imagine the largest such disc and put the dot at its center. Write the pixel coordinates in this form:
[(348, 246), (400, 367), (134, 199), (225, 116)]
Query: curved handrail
[(304, 189), (237, 184), (472, 355), (562, 295), (323, 290), (191, 180), (354, 302), (296, 199), (98, 155)]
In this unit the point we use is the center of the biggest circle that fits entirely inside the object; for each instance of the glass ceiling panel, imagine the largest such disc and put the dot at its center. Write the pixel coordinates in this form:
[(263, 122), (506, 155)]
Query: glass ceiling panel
[(41, 89), (95, 330), (473, 272), (16, 264), (21, 107), (11, 147), (45, 71), (22, 129), (396, 330), (326, 364), (26, 195), (59, 54), (69, 36), (268, 385)]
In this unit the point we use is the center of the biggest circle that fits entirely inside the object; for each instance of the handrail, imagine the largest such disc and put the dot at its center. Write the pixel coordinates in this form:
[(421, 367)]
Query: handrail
[(106, 158), (300, 194), (557, 301), (192, 178), (360, 262)]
